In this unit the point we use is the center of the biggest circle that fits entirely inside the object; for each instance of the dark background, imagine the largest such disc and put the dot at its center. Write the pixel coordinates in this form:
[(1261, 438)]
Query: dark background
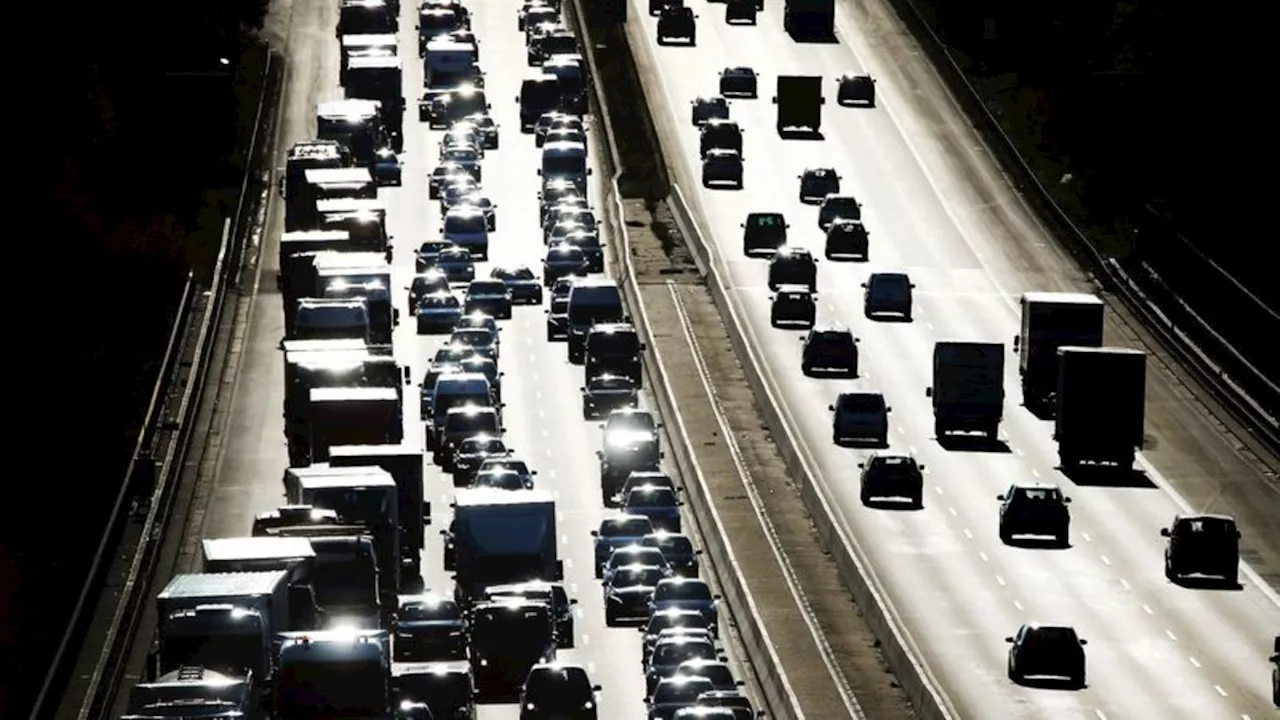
[(1142, 103), (113, 160)]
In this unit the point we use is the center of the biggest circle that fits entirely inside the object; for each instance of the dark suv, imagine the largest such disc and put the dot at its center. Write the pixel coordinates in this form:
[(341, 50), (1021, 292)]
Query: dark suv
[(793, 266), (1052, 651), (1206, 545), (888, 293), (558, 690), (829, 349), (1034, 509), (763, 233), (891, 477), (860, 417)]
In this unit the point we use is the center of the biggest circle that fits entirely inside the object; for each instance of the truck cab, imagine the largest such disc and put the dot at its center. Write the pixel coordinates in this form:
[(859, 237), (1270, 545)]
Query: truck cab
[(367, 276), (405, 464), (1203, 545), (292, 516), (363, 219), (294, 556), (172, 695), (380, 77), (570, 71), (350, 669), (359, 126), (303, 156)]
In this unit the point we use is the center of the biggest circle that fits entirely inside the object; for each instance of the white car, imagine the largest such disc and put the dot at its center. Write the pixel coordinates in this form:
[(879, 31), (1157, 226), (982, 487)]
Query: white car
[(467, 227)]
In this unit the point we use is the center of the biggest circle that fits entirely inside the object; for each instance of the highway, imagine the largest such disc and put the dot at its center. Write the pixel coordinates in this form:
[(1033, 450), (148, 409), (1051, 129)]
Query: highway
[(937, 206), (540, 388)]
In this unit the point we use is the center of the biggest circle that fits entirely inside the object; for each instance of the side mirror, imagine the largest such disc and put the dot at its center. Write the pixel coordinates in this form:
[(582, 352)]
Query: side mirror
[(1083, 641), (922, 467), (742, 225), (775, 99), (739, 683), (715, 597), (831, 408), (1164, 532), (1066, 499), (862, 466), (582, 389), (573, 601), (928, 392), (588, 171), (1008, 639), (535, 472), (1017, 343), (596, 688), (888, 409), (1000, 498), (595, 533)]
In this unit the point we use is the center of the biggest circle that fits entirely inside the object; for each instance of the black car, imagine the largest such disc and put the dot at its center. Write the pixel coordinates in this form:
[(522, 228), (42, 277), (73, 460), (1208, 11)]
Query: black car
[(829, 349), (860, 417), (740, 11), (763, 233), (671, 621), (563, 260), (650, 478), (734, 700), (447, 688), (524, 286), (817, 183), (739, 81), (558, 691), (427, 283), (856, 89), (471, 454), (706, 108), (614, 349), (673, 693), (429, 628), (1207, 545), (550, 593), (427, 254), (605, 393), (679, 551), (847, 239), (558, 320), (1046, 651), (718, 134), (793, 305), (793, 265), (628, 591), (888, 293), (490, 296), (892, 477), (1275, 673), (1034, 509), (677, 23)]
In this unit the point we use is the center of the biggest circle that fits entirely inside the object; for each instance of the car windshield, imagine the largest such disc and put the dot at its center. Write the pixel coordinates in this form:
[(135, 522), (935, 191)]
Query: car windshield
[(671, 620), (471, 422), (1050, 637), (522, 273), (472, 336), (685, 590), (671, 544), (861, 403), (637, 555), (564, 254), (464, 223), (440, 301), (455, 256), (487, 287), (893, 462), (435, 609), (651, 497), (833, 338), (462, 156), (627, 577), (626, 527), (840, 204), (627, 421), (452, 353), (718, 673), (888, 284), (683, 690), (499, 479), (474, 446)]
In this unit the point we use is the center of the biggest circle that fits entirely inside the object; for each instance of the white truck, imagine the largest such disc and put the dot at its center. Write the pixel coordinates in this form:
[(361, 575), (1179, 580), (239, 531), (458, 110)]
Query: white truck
[(354, 416), (334, 674), (265, 554), (503, 536), (448, 64), (193, 692), (221, 621)]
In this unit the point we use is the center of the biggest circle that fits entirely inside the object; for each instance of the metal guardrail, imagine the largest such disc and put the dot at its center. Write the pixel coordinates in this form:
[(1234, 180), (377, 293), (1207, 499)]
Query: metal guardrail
[(151, 475), (1224, 371)]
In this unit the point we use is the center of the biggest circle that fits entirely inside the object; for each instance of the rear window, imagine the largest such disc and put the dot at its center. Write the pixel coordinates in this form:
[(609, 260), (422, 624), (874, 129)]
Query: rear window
[(677, 544), (766, 221), (565, 253), (685, 690), (862, 403), (611, 383), (651, 497), (1208, 526), (1040, 494), (468, 223), (471, 422), (486, 287), (486, 445), (440, 301), (627, 527), (683, 591)]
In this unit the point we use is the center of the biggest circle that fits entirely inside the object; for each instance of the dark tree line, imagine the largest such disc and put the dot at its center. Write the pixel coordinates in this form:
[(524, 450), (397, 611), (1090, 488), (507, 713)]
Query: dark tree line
[(114, 158)]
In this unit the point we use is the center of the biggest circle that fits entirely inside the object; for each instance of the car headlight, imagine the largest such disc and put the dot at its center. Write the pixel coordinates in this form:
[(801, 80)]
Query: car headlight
[(530, 706), (588, 705)]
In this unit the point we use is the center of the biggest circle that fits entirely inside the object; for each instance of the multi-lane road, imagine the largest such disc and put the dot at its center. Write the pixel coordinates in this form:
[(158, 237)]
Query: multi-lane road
[(540, 388), (937, 207)]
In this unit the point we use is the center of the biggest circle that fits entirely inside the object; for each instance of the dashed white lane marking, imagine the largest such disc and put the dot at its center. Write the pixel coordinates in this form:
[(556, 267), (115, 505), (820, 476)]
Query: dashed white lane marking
[(1035, 472), (967, 534), (1194, 662), (1171, 635), (1221, 692), (984, 556), (1001, 581), (1018, 605), (1147, 609), (1105, 561), (1100, 715), (1124, 584), (1087, 537), (953, 512)]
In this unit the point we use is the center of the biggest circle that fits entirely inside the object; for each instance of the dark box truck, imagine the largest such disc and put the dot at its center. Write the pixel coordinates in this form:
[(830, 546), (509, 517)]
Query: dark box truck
[(968, 388), (1051, 320), (799, 100), (1101, 406)]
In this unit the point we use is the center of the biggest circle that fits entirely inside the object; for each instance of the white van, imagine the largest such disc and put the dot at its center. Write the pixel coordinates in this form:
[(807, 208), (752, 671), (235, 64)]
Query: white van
[(467, 227), (455, 390)]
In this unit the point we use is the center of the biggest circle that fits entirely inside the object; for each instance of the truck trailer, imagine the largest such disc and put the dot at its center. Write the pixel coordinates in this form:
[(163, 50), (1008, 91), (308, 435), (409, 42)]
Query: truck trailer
[(304, 156), (1051, 320), (1101, 406), (354, 416), (502, 537), (381, 78), (968, 388), (294, 260), (799, 100), (265, 554), (810, 18), (405, 464)]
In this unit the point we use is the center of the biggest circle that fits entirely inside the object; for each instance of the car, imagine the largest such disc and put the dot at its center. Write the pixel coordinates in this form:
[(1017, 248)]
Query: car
[(457, 264), (684, 593), (509, 464), (477, 200), (740, 81), (437, 313), (426, 283), (1202, 544), (722, 166), (678, 23), (556, 122), (452, 353), (734, 700), (427, 255), (642, 478), (888, 293), (429, 628), (555, 232), (847, 239), (468, 228), (488, 367), (860, 418), (571, 213), (718, 134), (717, 671), (625, 426), (544, 123), (708, 107), (468, 158), (793, 305), (482, 340), (558, 320), (817, 183), (563, 260), (763, 233), (634, 554), (604, 393), (565, 135), (558, 691), (679, 551), (488, 129), (838, 206), (499, 480), (461, 135), (551, 594), (537, 14), (616, 532), (793, 265), (740, 11), (669, 652), (1034, 510), (558, 191), (891, 476), (854, 89), (490, 296), (524, 286), (472, 452), (588, 241), (1046, 651), (442, 175), (461, 423), (660, 505), (627, 591), (455, 191), (669, 623), (474, 318), (677, 692), (446, 688), (829, 349)]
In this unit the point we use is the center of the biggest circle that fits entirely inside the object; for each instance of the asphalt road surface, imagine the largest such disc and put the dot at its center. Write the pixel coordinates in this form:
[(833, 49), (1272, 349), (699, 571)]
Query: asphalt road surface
[(936, 206), (540, 388)]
